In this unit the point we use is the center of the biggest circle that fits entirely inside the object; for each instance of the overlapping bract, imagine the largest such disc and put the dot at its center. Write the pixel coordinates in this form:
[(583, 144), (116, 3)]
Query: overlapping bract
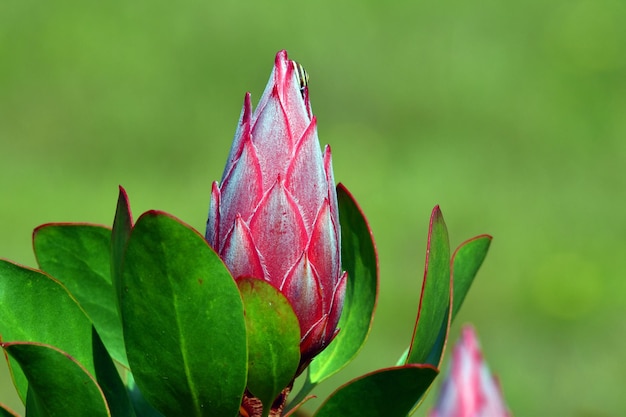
[(469, 390), (274, 215)]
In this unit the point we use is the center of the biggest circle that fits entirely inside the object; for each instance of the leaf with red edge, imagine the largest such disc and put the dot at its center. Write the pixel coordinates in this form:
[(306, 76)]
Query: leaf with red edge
[(389, 392), (37, 308), (78, 255), (183, 320), (58, 385), (435, 295), (122, 226), (466, 261), (359, 259)]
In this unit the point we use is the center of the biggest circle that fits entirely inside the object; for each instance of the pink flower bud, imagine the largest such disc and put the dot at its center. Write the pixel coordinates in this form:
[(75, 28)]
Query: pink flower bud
[(469, 390), (274, 216)]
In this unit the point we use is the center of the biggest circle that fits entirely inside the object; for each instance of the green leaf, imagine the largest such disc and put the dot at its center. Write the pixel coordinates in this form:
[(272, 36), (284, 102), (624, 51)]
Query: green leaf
[(33, 406), (78, 255), (435, 295), (402, 360), (466, 261), (359, 259), (141, 406), (183, 320), (273, 339), (122, 226), (109, 380), (389, 392), (58, 384), (435, 355), (37, 308)]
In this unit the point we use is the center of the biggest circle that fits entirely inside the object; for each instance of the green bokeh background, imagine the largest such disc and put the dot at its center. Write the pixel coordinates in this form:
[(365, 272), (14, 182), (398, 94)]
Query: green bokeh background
[(510, 115)]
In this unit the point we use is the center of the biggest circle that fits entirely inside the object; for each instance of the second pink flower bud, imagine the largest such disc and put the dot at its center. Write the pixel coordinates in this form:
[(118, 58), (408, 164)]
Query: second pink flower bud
[(469, 390)]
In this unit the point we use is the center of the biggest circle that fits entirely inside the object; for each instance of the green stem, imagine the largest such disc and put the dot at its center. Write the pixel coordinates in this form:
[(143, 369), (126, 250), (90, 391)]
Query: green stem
[(304, 391)]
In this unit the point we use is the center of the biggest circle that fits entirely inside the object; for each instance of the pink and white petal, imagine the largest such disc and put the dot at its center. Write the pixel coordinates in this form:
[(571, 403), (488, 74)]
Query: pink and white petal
[(306, 177), (279, 231), (323, 251), (313, 341), (330, 180), (332, 198), (241, 135), (293, 100), (267, 94), (241, 190), (336, 307), (240, 254), (273, 140), (302, 289)]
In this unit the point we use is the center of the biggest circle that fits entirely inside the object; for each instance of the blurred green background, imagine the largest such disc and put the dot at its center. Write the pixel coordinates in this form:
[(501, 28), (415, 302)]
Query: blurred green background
[(510, 115)]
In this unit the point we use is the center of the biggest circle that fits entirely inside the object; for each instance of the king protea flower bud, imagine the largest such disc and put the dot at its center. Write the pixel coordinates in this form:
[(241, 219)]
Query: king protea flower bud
[(274, 216), (469, 390)]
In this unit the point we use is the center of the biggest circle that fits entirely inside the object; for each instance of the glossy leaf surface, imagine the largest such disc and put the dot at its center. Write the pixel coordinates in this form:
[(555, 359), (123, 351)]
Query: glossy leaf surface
[(78, 255), (359, 259), (58, 384), (387, 392), (122, 225), (466, 261), (273, 339), (37, 308), (183, 320), (435, 295)]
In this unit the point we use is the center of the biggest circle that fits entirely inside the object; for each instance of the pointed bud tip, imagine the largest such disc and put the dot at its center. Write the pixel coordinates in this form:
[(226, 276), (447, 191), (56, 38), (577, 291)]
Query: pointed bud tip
[(247, 109)]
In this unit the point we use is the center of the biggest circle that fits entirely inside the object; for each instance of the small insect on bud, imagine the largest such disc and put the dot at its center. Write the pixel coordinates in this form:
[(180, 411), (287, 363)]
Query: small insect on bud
[(302, 76)]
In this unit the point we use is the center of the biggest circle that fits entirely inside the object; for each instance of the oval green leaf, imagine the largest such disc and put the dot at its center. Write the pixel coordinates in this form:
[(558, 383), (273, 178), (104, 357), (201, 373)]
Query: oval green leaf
[(360, 260), (389, 392), (37, 308), (58, 384), (273, 339), (122, 225), (435, 295), (183, 320), (78, 255), (466, 262)]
